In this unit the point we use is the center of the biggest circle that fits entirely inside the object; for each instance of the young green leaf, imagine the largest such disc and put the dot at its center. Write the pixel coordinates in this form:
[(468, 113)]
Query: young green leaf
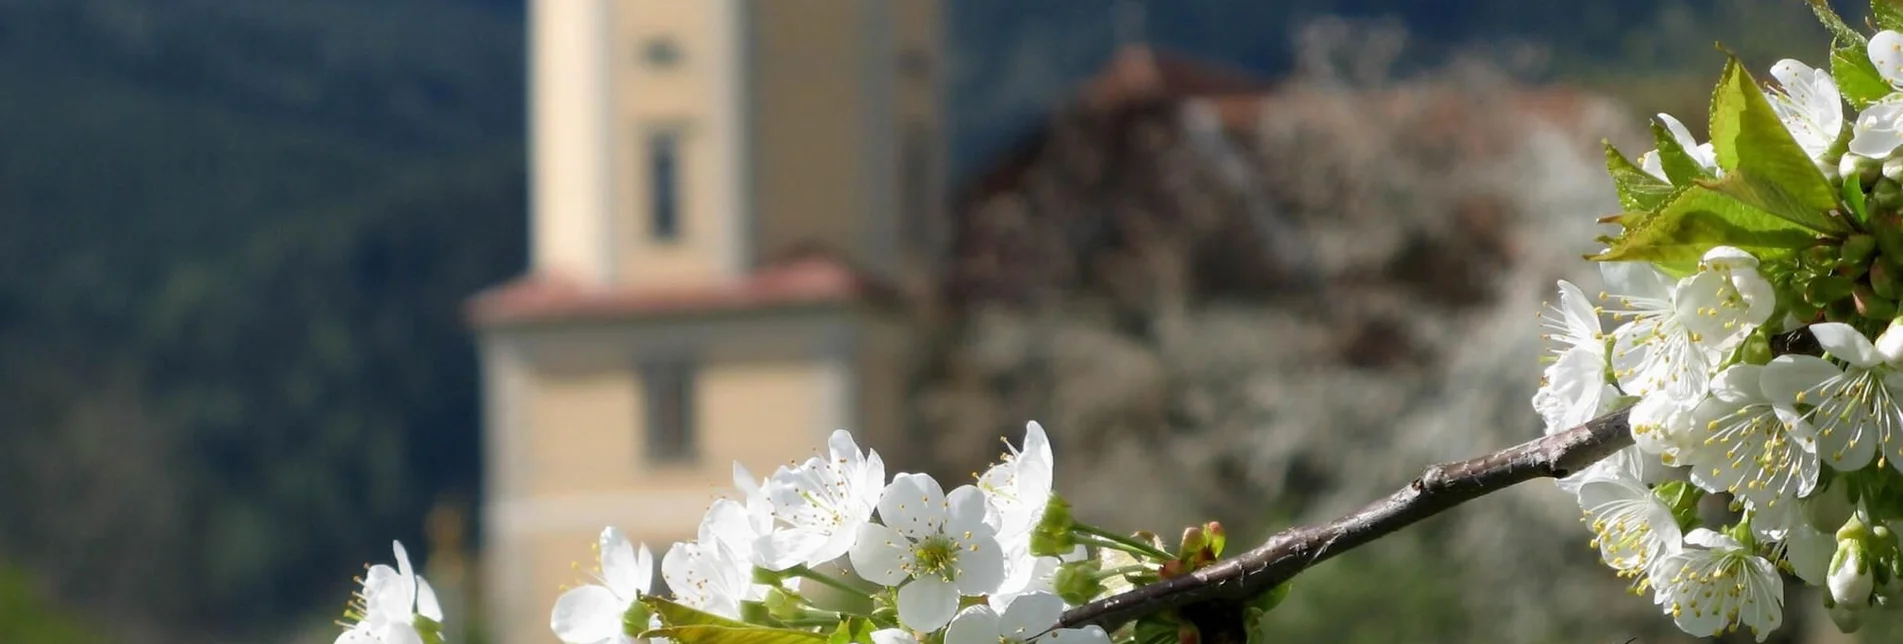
[(1854, 201), (1679, 165), (1856, 76), (1699, 218), (1638, 190), (852, 630), (736, 635), (675, 614), (1835, 23), (1767, 168), (1887, 13)]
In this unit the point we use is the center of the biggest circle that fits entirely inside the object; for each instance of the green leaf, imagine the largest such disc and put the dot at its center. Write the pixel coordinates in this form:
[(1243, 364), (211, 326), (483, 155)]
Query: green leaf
[(1679, 166), (736, 635), (1887, 13), (854, 630), (1699, 218), (1639, 191), (1857, 77), (1765, 167), (1838, 28), (1854, 201), (677, 615)]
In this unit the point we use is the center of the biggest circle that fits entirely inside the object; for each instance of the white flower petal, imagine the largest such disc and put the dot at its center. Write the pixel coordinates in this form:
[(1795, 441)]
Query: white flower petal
[(402, 634), (927, 603), (587, 614), (357, 635), (894, 636), (974, 625), (1085, 635), (1029, 615), (1886, 52), (980, 565), (628, 574), (965, 511), (881, 555), (786, 548), (426, 604), (1878, 131), (914, 505), (1845, 343), (1789, 375), (1637, 280)]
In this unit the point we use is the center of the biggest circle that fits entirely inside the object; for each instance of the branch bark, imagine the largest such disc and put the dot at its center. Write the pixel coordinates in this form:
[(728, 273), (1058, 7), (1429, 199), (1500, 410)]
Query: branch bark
[(1297, 549)]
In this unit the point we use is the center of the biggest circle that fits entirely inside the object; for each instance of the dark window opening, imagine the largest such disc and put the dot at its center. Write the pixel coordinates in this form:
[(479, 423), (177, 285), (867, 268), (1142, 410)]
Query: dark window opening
[(664, 198), (669, 391)]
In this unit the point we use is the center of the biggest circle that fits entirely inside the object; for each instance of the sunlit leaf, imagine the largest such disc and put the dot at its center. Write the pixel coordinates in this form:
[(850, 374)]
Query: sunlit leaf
[(674, 614), (1888, 14), (1765, 167), (736, 635), (1638, 190), (1857, 77), (1679, 165), (1835, 23), (1697, 219)]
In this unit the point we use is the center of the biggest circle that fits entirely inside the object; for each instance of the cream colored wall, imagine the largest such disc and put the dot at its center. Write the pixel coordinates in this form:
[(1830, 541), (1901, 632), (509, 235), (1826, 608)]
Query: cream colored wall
[(565, 436), (568, 105), (808, 107), (701, 98)]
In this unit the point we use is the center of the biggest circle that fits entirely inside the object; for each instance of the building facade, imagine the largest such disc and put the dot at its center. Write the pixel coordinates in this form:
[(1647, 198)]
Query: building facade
[(712, 182)]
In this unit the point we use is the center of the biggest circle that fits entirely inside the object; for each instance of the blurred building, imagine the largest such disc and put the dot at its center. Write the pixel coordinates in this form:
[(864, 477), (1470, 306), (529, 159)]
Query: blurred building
[(712, 184)]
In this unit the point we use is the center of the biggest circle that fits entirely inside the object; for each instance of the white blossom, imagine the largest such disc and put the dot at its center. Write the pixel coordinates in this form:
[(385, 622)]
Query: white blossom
[(1019, 486), (819, 506), (711, 573), (1851, 411), (386, 609), (1742, 442), (1573, 389), (1719, 585), (594, 613), (1809, 105), (1028, 618), (933, 547), (1632, 528), (1678, 332)]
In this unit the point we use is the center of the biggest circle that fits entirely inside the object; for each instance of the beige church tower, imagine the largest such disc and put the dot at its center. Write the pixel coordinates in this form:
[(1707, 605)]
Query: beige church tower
[(712, 181)]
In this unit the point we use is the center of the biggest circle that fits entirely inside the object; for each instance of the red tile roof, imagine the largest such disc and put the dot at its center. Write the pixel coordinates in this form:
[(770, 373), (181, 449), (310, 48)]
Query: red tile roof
[(545, 298)]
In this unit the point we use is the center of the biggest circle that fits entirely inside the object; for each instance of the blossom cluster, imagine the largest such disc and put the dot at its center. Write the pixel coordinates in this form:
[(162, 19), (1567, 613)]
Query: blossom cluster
[(832, 546), (1749, 322)]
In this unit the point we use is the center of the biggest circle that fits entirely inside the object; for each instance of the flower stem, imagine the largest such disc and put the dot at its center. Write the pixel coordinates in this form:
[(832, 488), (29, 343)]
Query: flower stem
[(1126, 544), (828, 581), (1122, 570)]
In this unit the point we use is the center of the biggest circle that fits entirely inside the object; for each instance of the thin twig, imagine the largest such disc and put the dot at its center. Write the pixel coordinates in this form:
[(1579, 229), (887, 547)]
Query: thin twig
[(1294, 550)]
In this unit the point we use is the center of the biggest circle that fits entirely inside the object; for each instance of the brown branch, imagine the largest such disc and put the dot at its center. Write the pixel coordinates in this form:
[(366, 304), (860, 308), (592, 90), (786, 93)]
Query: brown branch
[(1297, 549)]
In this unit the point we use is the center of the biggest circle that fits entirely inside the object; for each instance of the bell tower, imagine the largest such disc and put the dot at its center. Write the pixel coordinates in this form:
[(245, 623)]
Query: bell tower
[(717, 186)]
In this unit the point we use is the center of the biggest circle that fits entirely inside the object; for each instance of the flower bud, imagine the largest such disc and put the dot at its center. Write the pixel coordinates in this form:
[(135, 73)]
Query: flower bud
[(1870, 305), (1882, 281), (1827, 289), (1078, 582), (1055, 534), (1893, 169), (1857, 249), (1886, 195), (1217, 538), (1865, 169), (1851, 579)]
